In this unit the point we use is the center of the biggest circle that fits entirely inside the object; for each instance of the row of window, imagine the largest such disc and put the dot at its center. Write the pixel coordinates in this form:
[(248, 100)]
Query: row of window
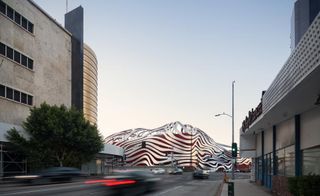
[(16, 56), (310, 161), (16, 17), (15, 95), (285, 162)]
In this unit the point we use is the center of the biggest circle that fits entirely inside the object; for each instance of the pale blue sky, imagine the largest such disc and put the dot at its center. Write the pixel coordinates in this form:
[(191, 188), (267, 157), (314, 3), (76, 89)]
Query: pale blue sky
[(174, 60)]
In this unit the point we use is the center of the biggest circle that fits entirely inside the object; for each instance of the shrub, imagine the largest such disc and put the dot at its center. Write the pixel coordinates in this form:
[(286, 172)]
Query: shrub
[(304, 185)]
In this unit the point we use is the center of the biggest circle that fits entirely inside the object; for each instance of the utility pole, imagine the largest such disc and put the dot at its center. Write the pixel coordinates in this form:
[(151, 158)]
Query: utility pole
[(233, 158)]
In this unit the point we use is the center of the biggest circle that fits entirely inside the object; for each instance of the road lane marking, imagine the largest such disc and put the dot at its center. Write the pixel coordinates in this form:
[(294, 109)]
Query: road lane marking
[(172, 189), (45, 190)]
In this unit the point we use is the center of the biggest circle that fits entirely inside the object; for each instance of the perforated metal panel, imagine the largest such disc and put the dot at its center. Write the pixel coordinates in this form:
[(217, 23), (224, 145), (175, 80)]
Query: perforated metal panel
[(303, 60)]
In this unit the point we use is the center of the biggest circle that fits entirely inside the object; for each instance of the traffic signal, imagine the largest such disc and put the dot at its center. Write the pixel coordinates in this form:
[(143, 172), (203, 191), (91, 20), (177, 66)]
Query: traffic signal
[(143, 145), (234, 149)]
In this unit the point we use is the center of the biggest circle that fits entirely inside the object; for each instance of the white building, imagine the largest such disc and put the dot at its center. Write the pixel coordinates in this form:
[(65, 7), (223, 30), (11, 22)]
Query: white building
[(283, 134)]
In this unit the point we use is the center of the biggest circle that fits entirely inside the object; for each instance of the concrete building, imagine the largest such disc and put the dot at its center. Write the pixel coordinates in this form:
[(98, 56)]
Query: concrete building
[(41, 61), (35, 59), (282, 134)]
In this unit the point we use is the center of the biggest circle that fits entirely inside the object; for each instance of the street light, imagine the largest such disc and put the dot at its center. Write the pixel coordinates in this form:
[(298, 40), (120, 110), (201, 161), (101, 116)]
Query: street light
[(223, 113), (232, 117)]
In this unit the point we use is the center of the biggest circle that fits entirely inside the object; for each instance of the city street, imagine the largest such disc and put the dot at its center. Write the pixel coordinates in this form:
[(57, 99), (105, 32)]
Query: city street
[(168, 185)]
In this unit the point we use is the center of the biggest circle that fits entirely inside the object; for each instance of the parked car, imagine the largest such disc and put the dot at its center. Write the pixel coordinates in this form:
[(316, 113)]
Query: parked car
[(175, 171), (199, 173), (159, 171)]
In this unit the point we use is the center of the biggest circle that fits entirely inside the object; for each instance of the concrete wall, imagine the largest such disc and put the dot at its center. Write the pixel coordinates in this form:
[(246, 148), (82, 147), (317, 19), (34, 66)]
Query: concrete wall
[(258, 142), (310, 128), (285, 134), (268, 141), (50, 49)]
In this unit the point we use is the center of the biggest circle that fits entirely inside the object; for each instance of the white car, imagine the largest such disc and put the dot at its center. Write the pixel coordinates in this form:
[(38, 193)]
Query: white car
[(158, 171)]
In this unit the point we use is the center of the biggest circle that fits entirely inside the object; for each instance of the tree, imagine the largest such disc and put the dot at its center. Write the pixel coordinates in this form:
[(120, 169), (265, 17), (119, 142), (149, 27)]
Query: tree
[(56, 136)]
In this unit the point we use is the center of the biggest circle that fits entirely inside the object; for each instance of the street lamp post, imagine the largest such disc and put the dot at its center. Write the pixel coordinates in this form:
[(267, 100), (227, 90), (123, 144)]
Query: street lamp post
[(232, 117)]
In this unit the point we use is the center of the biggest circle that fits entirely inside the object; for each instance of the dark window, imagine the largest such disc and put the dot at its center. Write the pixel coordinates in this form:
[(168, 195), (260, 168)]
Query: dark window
[(9, 93), (17, 57), (30, 27), (30, 100), (2, 90), (2, 7), (17, 95), (17, 18), (10, 12), (24, 23), (2, 49), (24, 98), (24, 60), (9, 52), (30, 63)]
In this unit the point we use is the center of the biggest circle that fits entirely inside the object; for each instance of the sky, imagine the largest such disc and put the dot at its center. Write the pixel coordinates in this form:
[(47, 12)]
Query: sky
[(161, 61)]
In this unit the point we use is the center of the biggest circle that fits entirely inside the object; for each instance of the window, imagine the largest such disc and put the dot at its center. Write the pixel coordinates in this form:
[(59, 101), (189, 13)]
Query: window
[(2, 90), (24, 98), (17, 57), (30, 100), (9, 53), (290, 161), (17, 18), (2, 49), (24, 60), (17, 95), (24, 23), (2, 7), (30, 63), (9, 93), (285, 161), (30, 27), (310, 161), (280, 162), (10, 12)]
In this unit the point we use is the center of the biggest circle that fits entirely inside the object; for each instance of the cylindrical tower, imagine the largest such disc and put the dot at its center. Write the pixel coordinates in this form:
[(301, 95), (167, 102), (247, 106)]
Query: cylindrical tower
[(90, 84)]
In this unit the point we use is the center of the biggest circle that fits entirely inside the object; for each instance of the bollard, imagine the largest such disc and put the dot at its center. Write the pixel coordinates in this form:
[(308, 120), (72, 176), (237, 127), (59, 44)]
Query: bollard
[(230, 188)]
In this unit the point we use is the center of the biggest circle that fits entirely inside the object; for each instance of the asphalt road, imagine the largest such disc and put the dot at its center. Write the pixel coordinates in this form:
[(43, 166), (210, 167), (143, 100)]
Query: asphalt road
[(174, 185)]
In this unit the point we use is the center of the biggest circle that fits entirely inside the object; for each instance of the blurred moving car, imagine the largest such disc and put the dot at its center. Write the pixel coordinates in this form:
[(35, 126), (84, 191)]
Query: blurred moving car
[(53, 174), (131, 182), (199, 173), (176, 171), (159, 171)]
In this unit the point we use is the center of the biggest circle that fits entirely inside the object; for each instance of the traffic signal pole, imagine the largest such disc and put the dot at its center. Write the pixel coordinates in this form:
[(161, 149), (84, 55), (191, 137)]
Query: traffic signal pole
[(233, 158)]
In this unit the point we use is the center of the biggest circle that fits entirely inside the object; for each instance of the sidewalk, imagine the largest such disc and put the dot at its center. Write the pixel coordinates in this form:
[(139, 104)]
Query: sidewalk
[(245, 188)]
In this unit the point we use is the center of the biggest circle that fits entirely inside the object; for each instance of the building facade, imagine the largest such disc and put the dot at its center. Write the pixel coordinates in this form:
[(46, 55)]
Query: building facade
[(90, 84), (84, 67), (41, 61), (174, 144), (282, 134), (35, 67)]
